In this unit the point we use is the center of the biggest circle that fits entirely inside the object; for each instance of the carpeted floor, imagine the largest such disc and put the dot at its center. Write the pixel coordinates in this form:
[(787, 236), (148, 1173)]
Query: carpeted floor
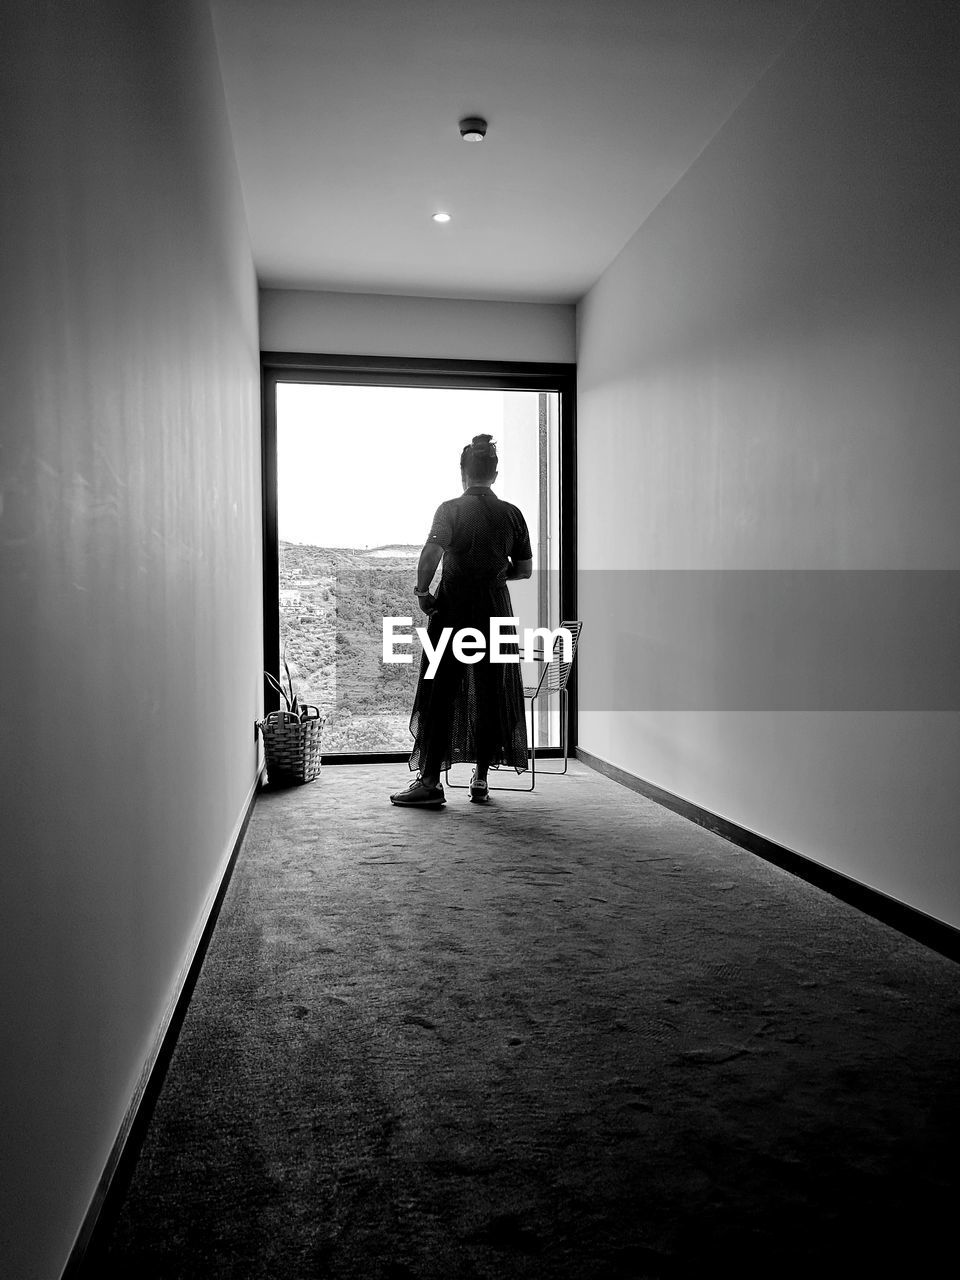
[(565, 1035)]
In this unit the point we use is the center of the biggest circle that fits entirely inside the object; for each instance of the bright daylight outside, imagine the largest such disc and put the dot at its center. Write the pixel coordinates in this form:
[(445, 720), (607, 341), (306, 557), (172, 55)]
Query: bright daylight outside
[(360, 472)]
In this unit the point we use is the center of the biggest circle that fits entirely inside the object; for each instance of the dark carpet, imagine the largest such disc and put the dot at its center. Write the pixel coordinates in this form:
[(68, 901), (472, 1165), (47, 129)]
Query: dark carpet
[(564, 1035)]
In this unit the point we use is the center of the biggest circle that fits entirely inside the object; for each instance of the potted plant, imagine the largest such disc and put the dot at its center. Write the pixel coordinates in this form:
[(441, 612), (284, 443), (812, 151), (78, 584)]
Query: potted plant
[(291, 736)]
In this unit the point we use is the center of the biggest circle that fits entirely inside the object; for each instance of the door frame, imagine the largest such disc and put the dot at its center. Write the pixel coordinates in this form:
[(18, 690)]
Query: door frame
[(409, 371)]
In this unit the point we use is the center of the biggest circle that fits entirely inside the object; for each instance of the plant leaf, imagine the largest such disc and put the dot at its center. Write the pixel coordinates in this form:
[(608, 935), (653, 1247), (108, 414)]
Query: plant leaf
[(278, 688)]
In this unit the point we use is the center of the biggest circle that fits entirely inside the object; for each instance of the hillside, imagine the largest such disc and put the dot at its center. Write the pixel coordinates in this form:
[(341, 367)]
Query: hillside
[(332, 604)]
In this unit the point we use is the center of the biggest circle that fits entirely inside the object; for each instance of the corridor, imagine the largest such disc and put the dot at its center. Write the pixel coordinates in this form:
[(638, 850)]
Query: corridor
[(565, 1035)]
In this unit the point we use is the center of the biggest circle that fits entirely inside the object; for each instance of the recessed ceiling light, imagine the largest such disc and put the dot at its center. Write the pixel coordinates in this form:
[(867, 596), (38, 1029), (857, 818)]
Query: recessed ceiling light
[(473, 128), (441, 217)]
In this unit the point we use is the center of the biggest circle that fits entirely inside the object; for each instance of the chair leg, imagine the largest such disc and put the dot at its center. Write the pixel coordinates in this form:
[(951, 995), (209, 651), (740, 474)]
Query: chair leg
[(553, 773), (533, 756), (558, 773), (533, 743), (463, 786)]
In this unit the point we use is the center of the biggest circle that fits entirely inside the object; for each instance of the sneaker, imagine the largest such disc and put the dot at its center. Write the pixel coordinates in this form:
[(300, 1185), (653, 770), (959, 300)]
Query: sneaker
[(418, 796), (479, 791)]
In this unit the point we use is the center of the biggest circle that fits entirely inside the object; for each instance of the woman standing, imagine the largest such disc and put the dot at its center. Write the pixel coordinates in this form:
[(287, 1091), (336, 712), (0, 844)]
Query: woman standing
[(469, 711)]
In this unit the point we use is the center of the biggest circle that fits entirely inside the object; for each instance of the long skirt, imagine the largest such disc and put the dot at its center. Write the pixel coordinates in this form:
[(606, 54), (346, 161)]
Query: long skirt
[(469, 712)]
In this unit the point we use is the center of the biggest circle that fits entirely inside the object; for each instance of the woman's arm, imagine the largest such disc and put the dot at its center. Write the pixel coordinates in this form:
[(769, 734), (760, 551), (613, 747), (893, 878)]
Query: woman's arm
[(430, 556), (519, 569)]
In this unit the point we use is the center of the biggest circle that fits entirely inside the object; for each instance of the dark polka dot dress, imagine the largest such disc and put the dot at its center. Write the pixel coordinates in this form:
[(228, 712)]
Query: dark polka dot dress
[(470, 712)]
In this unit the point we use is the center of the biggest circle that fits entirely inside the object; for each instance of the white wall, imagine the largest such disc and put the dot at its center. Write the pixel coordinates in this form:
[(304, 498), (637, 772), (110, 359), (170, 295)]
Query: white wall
[(130, 567), (769, 379), (388, 325)]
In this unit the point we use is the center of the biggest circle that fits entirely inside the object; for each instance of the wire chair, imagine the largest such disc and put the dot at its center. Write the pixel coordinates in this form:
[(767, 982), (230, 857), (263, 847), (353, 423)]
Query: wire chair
[(554, 679)]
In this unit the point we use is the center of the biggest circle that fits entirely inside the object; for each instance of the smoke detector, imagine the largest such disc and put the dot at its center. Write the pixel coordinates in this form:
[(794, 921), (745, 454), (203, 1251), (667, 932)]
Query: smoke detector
[(473, 128)]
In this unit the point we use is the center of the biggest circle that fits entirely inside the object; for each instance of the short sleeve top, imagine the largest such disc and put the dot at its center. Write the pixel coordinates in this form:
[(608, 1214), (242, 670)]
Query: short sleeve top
[(478, 532)]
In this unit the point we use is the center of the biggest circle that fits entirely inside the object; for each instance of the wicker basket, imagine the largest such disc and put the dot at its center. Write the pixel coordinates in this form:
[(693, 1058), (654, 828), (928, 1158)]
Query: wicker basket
[(292, 745)]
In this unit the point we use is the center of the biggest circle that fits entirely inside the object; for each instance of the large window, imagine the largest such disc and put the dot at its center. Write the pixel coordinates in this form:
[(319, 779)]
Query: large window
[(356, 462)]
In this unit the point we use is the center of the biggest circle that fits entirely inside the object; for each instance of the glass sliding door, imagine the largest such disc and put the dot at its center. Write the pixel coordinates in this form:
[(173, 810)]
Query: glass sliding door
[(359, 471), (359, 452)]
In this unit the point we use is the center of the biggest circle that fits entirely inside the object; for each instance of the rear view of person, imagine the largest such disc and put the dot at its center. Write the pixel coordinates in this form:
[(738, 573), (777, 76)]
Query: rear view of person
[(469, 711)]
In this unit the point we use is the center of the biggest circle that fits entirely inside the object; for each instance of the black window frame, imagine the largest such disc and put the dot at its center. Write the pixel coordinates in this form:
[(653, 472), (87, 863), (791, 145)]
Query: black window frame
[(409, 371)]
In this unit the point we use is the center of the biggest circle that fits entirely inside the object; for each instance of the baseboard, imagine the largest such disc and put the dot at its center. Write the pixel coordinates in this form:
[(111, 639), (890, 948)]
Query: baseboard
[(933, 933), (111, 1189)]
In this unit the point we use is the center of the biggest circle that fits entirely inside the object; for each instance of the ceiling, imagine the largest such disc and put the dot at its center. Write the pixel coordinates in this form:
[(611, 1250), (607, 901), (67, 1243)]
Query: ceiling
[(344, 115)]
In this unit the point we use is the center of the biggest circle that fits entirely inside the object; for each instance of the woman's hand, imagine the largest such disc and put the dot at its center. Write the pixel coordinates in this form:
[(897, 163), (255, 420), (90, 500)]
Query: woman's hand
[(426, 601)]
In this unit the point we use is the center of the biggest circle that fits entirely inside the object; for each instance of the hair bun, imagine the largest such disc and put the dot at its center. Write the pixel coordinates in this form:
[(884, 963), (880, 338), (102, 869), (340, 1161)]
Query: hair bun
[(479, 460)]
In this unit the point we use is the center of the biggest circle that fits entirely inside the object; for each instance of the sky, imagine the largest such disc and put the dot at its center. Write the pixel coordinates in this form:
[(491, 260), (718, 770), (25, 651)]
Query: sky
[(363, 466)]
